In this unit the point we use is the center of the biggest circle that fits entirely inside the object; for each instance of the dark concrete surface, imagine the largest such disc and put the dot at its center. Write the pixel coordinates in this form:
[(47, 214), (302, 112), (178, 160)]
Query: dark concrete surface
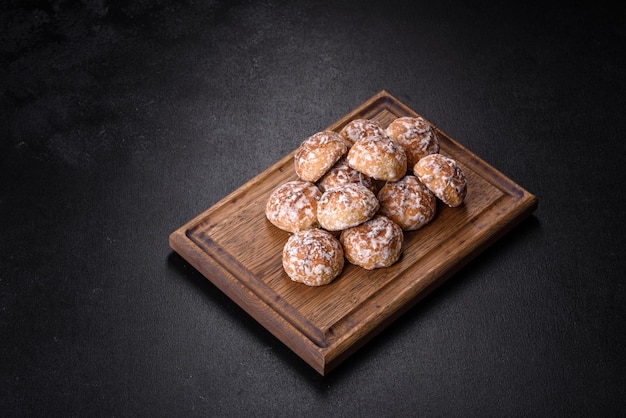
[(121, 120)]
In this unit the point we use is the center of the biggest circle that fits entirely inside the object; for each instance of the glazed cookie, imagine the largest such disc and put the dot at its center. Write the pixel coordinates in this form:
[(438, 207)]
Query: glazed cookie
[(346, 206), (444, 177), (317, 154), (342, 174), (407, 202), (374, 244), (379, 158), (361, 128), (313, 257), (415, 135), (293, 206)]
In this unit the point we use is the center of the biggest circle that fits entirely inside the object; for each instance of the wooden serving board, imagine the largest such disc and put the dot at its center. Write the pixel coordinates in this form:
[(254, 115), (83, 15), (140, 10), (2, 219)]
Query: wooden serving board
[(234, 246)]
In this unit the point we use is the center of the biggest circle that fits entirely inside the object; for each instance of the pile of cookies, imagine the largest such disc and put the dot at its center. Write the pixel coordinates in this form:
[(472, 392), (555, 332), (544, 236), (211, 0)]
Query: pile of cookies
[(356, 194)]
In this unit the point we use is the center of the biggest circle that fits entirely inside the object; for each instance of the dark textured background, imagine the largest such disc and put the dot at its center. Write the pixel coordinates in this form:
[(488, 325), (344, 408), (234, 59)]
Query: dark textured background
[(121, 120)]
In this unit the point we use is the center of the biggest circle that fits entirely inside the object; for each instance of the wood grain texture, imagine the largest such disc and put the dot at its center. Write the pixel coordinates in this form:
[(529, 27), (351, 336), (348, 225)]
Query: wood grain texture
[(234, 246)]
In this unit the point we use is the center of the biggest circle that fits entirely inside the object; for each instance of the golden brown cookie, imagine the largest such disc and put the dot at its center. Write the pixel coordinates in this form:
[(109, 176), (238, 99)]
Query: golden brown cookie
[(415, 135), (379, 158), (341, 174), (317, 154), (361, 128), (313, 257), (346, 206), (407, 202), (293, 206), (373, 244), (444, 177)]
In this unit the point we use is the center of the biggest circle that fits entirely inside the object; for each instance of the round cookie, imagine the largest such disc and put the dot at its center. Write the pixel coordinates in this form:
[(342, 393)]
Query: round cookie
[(293, 206), (361, 128), (341, 174), (346, 206), (318, 153), (407, 202), (444, 177), (379, 158), (374, 244), (313, 257), (415, 135)]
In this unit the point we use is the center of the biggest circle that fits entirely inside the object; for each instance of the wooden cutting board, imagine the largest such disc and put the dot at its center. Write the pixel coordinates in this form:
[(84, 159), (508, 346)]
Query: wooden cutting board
[(234, 246)]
